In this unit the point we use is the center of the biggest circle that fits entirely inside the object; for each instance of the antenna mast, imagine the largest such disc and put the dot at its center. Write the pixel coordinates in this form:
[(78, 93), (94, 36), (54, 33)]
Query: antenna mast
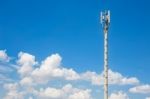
[(105, 21)]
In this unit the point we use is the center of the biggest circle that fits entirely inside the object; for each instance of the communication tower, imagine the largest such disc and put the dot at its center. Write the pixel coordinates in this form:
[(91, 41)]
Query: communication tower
[(105, 21)]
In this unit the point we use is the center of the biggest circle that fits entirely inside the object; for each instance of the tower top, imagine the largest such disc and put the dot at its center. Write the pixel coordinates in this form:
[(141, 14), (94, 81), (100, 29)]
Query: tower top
[(105, 20)]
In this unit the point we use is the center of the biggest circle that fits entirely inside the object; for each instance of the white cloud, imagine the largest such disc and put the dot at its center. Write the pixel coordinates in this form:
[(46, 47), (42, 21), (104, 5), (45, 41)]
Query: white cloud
[(84, 94), (117, 78), (14, 95), (51, 68), (13, 92), (3, 56), (34, 78), (114, 78), (51, 93), (94, 78), (26, 62), (147, 98), (70, 74), (119, 95), (66, 92), (26, 59), (26, 81), (11, 86), (130, 81), (48, 69), (143, 89)]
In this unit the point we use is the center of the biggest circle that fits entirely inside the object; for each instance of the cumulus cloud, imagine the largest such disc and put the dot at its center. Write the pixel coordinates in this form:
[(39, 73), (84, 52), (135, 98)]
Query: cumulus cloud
[(82, 94), (114, 78), (92, 77), (143, 89), (35, 80), (119, 95), (51, 68), (26, 62), (66, 92), (3, 56), (26, 81), (51, 93), (117, 78), (12, 92)]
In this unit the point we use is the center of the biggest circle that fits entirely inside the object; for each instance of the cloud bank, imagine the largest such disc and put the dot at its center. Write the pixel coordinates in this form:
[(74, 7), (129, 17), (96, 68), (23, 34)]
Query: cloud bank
[(34, 79), (119, 95), (143, 89)]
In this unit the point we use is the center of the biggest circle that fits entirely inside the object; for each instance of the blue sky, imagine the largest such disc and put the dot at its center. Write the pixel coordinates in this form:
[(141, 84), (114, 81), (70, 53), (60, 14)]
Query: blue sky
[(72, 28)]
